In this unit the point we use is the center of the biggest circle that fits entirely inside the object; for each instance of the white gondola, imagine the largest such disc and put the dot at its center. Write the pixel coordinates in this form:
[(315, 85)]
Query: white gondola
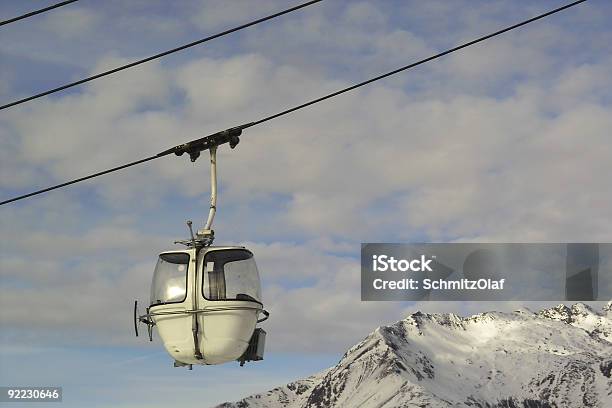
[(206, 300)]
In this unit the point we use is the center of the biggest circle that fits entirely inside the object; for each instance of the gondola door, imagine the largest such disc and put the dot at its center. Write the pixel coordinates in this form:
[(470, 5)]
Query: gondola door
[(172, 296), (230, 293)]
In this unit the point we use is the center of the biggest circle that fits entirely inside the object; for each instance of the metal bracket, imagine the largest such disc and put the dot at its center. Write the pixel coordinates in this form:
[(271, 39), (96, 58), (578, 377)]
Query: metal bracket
[(201, 239), (179, 364), (194, 147), (146, 319)]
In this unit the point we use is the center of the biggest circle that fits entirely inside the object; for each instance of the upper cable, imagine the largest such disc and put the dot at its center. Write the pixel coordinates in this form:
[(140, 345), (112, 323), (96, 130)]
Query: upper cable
[(35, 12), (156, 56)]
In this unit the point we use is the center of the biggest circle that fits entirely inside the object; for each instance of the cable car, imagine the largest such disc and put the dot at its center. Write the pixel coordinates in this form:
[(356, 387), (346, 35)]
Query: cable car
[(206, 300), (206, 303)]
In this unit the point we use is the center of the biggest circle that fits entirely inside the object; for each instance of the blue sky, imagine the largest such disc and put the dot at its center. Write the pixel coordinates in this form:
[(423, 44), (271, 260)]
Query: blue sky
[(504, 142)]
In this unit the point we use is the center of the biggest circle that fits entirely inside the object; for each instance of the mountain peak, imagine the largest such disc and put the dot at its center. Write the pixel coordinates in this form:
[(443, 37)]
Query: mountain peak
[(560, 312), (556, 357), (581, 309)]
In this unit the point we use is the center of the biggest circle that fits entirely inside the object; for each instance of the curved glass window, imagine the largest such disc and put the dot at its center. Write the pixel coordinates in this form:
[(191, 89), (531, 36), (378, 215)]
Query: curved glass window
[(170, 279), (231, 274)]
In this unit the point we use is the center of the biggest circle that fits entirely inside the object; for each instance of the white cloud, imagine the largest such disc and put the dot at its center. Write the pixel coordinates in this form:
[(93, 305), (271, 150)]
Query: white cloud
[(71, 22), (218, 14)]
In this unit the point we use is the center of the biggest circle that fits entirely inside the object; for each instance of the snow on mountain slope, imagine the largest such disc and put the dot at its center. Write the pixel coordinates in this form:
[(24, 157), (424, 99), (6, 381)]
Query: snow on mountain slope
[(558, 357)]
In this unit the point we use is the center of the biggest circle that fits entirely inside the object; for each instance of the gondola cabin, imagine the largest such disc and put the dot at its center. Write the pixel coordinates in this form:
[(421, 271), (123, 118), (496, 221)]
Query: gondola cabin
[(206, 303)]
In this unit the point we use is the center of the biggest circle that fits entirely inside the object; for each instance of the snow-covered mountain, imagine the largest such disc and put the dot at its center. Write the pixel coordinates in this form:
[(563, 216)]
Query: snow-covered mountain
[(558, 357)]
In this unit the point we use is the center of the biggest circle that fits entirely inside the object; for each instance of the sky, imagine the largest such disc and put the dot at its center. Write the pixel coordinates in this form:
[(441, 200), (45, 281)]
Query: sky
[(507, 141)]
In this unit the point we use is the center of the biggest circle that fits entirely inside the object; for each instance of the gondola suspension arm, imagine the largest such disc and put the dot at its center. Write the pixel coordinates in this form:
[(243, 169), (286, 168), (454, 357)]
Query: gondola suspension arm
[(205, 236), (213, 189)]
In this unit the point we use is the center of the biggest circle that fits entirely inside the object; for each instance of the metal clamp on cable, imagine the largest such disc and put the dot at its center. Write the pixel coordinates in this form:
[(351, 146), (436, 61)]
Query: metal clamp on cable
[(194, 147)]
